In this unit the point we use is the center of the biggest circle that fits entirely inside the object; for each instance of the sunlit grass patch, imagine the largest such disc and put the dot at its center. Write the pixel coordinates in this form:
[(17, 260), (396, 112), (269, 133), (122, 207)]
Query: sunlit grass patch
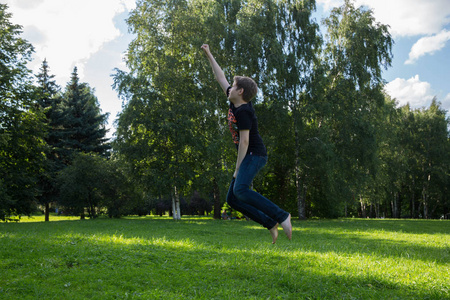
[(41, 218), (200, 258)]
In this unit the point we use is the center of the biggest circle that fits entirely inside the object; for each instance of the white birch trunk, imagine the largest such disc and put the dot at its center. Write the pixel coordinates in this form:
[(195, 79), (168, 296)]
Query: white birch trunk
[(176, 205)]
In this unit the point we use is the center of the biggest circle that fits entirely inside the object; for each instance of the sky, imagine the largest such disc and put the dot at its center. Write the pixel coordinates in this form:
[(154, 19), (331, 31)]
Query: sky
[(93, 36)]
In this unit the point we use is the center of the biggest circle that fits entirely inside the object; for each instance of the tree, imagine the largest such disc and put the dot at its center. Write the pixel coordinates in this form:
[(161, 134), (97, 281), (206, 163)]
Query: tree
[(432, 156), (164, 128), (83, 126), (80, 185), (49, 101), (119, 195), (21, 123), (47, 88), (413, 172), (92, 183), (166, 62), (357, 48), (79, 128), (337, 144), (296, 53)]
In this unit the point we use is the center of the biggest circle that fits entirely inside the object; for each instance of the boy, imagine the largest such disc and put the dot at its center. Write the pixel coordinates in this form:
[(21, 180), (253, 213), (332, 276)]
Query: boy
[(252, 155)]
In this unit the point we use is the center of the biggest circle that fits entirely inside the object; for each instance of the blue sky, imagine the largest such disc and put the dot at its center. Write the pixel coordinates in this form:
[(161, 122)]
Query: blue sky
[(93, 35)]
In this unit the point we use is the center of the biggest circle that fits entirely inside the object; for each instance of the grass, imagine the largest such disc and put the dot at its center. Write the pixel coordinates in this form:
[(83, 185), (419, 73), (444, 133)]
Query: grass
[(200, 258)]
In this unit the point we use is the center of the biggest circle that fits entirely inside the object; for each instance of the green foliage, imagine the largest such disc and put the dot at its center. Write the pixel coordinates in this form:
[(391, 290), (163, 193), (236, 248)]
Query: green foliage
[(80, 185), (83, 124), (200, 258), (21, 124), (356, 50), (323, 114), (119, 195), (338, 146), (48, 100), (92, 183), (168, 128), (358, 46)]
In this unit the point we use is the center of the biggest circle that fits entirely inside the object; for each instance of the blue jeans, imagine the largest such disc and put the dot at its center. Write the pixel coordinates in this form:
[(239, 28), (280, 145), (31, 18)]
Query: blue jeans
[(252, 204)]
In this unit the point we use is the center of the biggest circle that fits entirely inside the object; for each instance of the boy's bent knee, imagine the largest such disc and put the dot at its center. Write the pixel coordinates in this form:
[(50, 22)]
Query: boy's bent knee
[(240, 191)]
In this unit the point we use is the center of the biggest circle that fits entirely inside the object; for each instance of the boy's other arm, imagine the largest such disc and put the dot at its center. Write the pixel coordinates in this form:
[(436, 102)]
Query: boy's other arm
[(218, 73), (244, 138)]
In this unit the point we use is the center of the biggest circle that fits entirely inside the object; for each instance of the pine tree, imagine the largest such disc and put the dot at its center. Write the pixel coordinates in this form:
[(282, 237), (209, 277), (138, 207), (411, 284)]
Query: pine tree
[(83, 124), (48, 100), (47, 86)]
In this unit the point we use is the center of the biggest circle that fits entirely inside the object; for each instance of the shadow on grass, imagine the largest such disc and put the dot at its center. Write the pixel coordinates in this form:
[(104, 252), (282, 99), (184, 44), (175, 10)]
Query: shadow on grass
[(413, 226), (200, 259), (354, 243)]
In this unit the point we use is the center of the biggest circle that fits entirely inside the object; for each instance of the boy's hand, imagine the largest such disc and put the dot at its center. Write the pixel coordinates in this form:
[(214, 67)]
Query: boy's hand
[(205, 48)]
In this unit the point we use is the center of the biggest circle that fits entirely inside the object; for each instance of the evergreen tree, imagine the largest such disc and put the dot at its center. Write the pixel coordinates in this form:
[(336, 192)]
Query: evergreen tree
[(48, 99), (47, 87), (83, 124)]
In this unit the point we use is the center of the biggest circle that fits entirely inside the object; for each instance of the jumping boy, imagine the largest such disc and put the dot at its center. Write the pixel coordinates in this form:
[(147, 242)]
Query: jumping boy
[(252, 155)]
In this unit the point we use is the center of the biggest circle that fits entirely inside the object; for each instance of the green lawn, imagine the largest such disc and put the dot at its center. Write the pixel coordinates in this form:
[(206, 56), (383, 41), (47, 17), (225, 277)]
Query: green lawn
[(200, 258)]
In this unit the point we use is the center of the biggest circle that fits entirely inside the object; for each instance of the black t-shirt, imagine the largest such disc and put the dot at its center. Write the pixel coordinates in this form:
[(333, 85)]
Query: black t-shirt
[(244, 118)]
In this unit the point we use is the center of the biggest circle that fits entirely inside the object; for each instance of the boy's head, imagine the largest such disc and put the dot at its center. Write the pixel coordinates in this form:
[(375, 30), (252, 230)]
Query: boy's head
[(248, 85)]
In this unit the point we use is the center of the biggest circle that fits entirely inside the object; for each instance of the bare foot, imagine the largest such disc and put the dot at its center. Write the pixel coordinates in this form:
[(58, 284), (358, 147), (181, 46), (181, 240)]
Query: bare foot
[(287, 227), (274, 233)]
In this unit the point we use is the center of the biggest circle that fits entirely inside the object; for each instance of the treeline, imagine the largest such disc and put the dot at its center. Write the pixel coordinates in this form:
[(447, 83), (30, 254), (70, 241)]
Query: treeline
[(338, 145), (44, 131)]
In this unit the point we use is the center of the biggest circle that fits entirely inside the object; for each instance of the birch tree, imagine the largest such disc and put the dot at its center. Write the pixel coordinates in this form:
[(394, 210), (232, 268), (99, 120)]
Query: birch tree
[(164, 107), (357, 49)]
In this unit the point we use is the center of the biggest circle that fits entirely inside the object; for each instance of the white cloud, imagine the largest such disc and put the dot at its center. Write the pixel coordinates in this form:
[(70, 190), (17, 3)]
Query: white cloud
[(413, 91), (411, 17), (67, 32), (77, 33), (406, 17), (329, 4), (446, 103), (428, 45), (26, 4)]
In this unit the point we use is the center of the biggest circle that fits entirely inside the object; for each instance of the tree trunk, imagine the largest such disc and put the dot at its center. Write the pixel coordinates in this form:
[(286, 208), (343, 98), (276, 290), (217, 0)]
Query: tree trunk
[(298, 182), (425, 210), (425, 207), (300, 198), (91, 208), (216, 193), (47, 212), (433, 211), (394, 205), (412, 208), (176, 204), (363, 207)]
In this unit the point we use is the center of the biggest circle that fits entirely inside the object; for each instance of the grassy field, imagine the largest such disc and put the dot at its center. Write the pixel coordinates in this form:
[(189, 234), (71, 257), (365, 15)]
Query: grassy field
[(200, 258)]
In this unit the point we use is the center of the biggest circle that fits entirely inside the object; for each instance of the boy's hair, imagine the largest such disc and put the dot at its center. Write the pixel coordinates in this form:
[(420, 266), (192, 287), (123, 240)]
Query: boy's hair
[(249, 85)]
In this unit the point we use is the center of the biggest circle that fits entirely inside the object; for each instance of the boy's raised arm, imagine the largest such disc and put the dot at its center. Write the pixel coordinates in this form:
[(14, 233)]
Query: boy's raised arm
[(218, 73)]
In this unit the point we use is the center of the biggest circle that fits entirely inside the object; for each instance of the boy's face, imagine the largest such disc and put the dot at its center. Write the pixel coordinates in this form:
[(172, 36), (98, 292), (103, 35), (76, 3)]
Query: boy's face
[(235, 92)]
